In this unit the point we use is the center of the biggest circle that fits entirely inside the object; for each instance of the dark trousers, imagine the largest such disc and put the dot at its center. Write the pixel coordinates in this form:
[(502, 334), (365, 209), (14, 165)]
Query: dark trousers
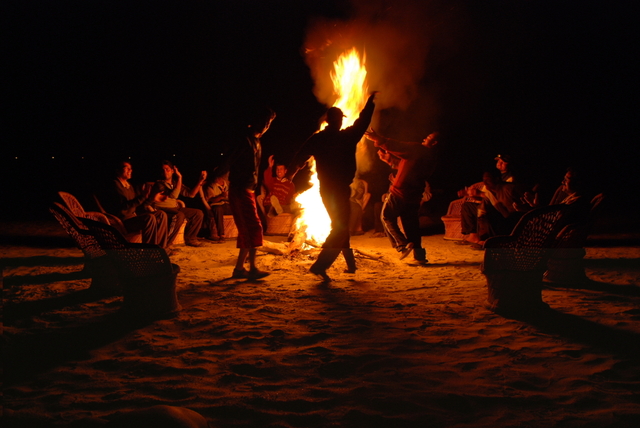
[(408, 212), (215, 221), (336, 201), (469, 217), (152, 225), (194, 218), (495, 224)]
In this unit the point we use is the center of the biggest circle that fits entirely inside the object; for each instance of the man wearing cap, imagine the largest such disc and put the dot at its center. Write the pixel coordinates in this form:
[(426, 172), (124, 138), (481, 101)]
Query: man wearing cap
[(502, 163), (334, 150)]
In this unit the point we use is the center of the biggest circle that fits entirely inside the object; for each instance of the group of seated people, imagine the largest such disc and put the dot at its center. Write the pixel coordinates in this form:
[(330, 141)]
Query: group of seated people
[(158, 209), (493, 206)]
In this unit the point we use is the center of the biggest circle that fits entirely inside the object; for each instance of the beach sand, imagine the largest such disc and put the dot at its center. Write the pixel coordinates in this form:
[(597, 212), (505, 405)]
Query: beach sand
[(395, 345)]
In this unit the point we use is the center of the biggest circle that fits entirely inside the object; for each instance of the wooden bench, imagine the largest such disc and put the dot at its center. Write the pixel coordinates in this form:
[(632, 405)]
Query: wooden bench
[(147, 276), (514, 265)]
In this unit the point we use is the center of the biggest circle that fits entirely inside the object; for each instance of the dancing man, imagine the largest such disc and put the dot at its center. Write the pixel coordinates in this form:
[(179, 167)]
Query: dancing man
[(415, 165), (334, 150)]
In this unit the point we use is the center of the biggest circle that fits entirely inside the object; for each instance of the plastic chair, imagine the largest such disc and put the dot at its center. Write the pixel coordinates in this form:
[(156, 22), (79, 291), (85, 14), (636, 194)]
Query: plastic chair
[(117, 223), (566, 263), (514, 265), (147, 276), (96, 263)]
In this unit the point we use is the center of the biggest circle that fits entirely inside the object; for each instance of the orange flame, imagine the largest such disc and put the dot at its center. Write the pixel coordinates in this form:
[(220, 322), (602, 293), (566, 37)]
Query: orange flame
[(349, 78), (350, 85), (313, 218)]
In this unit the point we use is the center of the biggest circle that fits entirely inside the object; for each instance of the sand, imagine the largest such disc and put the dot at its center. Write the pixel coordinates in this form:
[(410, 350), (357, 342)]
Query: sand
[(395, 345)]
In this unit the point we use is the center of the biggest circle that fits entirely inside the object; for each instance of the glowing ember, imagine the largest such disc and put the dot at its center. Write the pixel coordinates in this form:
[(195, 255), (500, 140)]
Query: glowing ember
[(350, 86)]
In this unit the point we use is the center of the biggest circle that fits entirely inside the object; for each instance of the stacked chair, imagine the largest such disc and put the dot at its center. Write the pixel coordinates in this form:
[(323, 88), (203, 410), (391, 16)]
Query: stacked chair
[(142, 273)]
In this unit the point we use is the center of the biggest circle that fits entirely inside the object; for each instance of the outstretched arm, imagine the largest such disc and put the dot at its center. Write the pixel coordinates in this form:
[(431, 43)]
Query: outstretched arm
[(191, 193)]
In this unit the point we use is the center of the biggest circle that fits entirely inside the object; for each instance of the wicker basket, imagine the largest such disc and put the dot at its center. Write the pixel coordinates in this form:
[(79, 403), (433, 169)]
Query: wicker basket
[(280, 224), (452, 228), (230, 229), (452, 221)]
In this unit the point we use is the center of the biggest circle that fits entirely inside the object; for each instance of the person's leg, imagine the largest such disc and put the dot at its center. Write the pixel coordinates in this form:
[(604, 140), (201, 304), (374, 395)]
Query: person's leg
[(336, 201), (469, 218), (275, 204), (245, 214), (390, 214), (350, 258), (194, 218), (218, 217), (325, 259), (239, 271), (162, 229), (153, 227), (176, 218)]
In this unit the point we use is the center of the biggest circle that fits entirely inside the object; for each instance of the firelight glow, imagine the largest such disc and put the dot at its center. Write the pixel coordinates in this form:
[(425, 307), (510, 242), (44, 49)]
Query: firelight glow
[(349, 78), (313, 220), (350, 85)]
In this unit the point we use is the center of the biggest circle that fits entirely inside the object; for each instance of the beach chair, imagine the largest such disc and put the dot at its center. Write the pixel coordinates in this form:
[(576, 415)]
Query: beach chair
[(566, 263), (514, 265), (147, 276), (96, 263), (452, 221)]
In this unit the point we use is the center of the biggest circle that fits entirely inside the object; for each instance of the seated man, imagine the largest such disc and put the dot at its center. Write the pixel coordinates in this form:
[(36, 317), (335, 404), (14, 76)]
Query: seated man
[(503, 165), (133, 207), (489, 210), (280, 191), (572, 191), (169, 190), (215, 197), (359, 199)]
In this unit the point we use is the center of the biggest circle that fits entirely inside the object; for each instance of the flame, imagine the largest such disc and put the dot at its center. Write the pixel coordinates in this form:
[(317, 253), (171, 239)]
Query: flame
[(313, 219), (349, 78), (350, 85)]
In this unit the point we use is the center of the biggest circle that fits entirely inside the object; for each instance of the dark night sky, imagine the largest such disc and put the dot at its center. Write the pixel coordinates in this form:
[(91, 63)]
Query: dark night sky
[(555, 81)]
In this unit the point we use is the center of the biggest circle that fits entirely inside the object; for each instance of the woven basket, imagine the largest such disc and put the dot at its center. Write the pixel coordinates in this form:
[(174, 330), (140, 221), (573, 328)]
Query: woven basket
[(452, 228), (230, 229), (279, 225)]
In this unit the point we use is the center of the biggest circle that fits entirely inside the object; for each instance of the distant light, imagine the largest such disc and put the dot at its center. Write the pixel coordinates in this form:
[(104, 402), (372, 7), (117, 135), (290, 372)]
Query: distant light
[(221, 154), (53, 157), (16, 157), (174, 155)]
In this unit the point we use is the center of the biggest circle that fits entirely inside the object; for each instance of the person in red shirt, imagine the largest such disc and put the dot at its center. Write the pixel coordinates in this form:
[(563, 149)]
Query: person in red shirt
[(280, 190), (416, 162)]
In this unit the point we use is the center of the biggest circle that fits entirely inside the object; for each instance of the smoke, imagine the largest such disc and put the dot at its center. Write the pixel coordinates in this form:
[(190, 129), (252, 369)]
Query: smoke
[(396, 37)]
